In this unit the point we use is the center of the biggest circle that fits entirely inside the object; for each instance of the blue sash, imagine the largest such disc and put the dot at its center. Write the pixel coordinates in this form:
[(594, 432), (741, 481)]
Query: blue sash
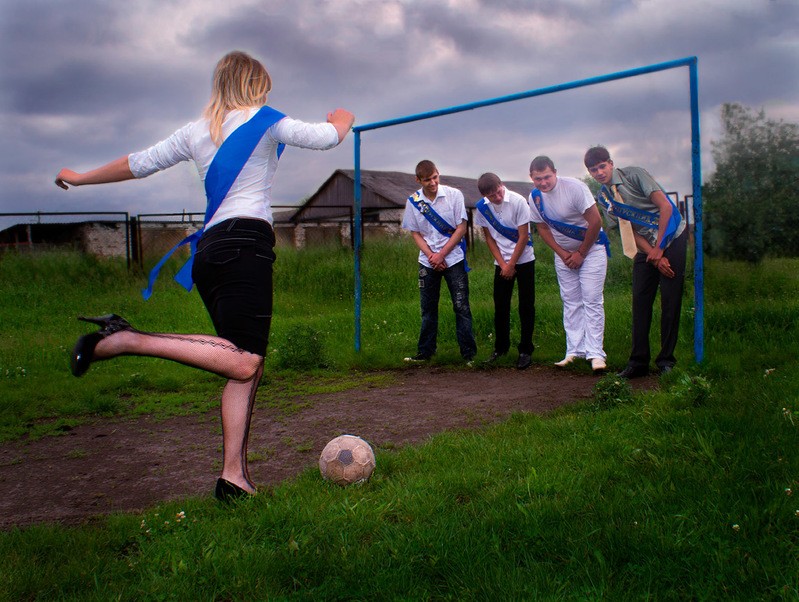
[(640, 216), (438, 222), (572, 231), (511, 234), (228, 162)]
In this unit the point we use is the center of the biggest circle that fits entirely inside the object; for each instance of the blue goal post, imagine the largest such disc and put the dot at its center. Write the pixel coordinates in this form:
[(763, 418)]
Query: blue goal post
[(696, 170)]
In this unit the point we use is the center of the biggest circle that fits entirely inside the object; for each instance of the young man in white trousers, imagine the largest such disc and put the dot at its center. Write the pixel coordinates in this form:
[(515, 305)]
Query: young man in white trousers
[(568, 221)]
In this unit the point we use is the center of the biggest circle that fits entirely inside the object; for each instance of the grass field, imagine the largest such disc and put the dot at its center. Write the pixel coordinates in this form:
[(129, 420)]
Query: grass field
[(682, 493)]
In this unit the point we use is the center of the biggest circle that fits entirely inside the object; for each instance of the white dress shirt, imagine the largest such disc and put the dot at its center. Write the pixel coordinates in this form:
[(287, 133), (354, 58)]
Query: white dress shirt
[(512, 212), (251, 193), (450, 206)]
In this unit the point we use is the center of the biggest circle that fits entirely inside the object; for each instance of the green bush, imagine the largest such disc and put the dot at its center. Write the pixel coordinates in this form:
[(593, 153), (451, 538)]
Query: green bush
[(303, 349), (611, 391), (691, 391)]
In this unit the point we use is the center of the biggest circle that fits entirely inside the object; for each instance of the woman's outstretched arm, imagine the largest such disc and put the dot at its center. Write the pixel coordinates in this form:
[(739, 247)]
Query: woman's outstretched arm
[(116, 171)]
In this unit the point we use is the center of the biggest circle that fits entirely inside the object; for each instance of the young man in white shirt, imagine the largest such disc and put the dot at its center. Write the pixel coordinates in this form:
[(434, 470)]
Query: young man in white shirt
[(568, 221), (435, 215), (505, 219)]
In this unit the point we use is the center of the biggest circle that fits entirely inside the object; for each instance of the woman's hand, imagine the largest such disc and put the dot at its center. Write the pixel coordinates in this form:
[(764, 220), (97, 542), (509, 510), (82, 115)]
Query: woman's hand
[(67, 176), (342, 120)]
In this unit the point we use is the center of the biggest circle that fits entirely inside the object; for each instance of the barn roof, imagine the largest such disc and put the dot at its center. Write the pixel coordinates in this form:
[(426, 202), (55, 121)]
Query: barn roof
[(382, 190)]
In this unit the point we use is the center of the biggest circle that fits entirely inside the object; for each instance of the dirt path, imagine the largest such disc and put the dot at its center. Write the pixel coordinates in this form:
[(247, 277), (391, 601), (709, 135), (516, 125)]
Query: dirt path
[(130, 464)]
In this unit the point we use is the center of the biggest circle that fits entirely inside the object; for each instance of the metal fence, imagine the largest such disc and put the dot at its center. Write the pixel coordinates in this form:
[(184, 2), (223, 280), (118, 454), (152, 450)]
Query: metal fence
[(156, 233), (147, 236)]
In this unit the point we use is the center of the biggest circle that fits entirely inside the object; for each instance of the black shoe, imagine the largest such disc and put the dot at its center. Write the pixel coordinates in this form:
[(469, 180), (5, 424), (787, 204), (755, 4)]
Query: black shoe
[(493, 357), (633, 372), (83, 352), (419, 357), (228, 492), (665, 369), (524, 362)]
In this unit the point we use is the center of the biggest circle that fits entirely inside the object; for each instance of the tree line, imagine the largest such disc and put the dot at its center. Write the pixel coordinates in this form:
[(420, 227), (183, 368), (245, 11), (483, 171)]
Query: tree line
[(751, 207)]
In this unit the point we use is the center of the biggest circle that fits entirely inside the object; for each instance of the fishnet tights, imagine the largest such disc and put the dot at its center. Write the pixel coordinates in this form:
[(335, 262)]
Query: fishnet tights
[(213, 354)]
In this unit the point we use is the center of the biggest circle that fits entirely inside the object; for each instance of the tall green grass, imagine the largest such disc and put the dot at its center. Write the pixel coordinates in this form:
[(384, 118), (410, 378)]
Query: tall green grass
[(687, 492)]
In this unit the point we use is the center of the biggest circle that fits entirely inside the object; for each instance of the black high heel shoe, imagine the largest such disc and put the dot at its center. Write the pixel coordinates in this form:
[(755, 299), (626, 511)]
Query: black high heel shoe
[(83, 352), (227, 492)]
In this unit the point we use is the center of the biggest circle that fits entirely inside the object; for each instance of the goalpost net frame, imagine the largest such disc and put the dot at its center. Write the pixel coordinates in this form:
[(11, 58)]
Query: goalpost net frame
[(696, 171)]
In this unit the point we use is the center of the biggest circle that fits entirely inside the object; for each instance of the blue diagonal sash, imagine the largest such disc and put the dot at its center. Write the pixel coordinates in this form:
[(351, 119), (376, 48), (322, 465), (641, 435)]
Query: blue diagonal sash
[(226, 166), (641, 217), (438, 222), (571, 230), (511, 234)]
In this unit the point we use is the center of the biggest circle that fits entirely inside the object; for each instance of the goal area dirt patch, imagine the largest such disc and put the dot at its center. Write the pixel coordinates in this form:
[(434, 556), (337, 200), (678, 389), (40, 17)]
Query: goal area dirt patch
[(130, 464)]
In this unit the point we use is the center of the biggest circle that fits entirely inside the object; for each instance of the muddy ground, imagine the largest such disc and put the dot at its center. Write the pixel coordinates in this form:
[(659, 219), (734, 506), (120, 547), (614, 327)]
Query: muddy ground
[(130, 464)]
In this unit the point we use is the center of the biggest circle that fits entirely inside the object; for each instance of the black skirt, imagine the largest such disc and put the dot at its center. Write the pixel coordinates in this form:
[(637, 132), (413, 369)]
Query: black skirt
[(233, 273)]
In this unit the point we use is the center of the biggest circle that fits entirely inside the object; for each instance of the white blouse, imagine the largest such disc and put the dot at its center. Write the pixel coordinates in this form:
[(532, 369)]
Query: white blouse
[(251, 193)]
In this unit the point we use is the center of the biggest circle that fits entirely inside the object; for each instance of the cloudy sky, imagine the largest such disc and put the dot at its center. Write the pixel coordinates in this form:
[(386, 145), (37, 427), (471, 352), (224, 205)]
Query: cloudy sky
[(87, 81)]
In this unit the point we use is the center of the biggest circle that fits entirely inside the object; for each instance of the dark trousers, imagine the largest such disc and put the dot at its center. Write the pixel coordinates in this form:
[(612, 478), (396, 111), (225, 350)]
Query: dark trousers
[(646, 280), (429, 292), (503, 295)]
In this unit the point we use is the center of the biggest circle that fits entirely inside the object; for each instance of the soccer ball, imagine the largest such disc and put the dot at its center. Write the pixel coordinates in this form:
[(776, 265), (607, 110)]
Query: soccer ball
[(347, 459)]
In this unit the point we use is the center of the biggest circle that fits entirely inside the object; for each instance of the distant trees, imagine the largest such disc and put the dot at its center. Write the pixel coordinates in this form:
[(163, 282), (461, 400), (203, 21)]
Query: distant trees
[(751, 201)]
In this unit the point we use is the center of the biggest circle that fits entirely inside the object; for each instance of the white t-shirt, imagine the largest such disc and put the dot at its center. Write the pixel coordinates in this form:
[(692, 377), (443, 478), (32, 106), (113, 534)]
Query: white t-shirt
[(450, 206), (512, 212), (251, 193), (565, 203)]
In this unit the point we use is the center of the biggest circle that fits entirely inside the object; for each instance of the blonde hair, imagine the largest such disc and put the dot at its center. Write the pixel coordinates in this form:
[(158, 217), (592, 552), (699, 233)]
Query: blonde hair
[(239, 82)]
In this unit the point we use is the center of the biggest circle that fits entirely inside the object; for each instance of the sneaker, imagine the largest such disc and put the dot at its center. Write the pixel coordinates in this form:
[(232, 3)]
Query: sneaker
[(598, 365), (419, 357), (569, 359), (524, 362)]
